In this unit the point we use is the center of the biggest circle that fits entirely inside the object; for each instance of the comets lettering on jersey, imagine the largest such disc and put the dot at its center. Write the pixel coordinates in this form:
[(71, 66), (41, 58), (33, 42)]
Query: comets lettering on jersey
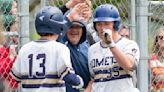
[(106, 61)]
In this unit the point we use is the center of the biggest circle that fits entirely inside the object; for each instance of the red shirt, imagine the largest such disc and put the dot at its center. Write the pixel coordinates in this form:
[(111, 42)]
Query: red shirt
[(157, 71), (5, 66)]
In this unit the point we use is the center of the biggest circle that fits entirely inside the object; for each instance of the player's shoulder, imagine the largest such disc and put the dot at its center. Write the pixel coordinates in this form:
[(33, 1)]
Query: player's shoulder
[(126, 42), (94, 46), (59, 46), (26, 46)]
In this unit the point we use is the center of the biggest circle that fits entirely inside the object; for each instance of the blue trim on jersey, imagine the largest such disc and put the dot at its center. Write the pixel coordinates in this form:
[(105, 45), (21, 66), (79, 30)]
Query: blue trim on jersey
[(64, 71), (42, 40), (105, 71), (43, 85), (50, 76), (113, 78), (118, 40)]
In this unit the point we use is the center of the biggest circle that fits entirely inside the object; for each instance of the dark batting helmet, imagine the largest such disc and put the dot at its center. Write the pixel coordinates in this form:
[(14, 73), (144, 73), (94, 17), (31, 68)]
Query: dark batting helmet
[(50, 20), (107, 13)]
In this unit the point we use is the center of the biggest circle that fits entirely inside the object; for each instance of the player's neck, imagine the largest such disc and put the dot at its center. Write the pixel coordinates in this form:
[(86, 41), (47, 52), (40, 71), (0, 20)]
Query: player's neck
[(116, 36), (54, 37)]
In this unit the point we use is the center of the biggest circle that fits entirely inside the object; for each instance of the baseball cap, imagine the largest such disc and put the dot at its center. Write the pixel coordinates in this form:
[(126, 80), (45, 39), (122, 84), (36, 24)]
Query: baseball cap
[(77, 23)]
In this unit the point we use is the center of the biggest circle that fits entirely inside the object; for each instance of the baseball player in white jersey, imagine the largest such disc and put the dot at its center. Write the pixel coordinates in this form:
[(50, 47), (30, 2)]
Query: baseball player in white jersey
[(113, 59), (43, 65)]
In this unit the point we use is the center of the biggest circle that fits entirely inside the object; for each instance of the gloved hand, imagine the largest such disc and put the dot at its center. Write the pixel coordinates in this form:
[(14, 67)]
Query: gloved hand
[(81, 83), (108, 38)]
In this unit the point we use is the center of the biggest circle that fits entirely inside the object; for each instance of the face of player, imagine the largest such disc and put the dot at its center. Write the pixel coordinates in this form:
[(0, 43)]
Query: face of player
[(103, 25), (74, 34), (124, 33)]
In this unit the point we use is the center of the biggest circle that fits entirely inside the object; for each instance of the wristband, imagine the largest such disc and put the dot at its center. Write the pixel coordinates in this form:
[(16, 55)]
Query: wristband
[(111, 45)]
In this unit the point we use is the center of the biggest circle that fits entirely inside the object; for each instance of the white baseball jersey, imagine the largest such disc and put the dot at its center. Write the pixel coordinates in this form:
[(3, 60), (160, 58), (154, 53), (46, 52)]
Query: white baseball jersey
[(41, 65), (107, 74)]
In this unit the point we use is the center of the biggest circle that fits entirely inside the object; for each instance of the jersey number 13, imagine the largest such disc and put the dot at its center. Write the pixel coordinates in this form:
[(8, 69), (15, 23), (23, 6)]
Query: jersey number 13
[(41, 58)]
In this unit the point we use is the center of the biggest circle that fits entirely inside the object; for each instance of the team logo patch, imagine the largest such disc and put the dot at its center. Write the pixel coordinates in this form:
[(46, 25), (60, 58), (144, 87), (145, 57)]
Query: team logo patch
[(41, 18), (134, 50)]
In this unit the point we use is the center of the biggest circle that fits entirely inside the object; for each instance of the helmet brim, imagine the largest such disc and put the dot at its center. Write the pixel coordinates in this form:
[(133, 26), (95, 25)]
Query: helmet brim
[(105, 19)]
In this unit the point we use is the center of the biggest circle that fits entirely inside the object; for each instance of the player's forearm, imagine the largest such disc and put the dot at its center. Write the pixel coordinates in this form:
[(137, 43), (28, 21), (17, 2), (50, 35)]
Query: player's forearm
[(125, 61), (89, 87)]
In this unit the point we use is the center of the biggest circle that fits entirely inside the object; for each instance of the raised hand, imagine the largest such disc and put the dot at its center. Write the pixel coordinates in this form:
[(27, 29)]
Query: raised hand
[(81, 11), (86, 13), (107, 38), (72, 3)]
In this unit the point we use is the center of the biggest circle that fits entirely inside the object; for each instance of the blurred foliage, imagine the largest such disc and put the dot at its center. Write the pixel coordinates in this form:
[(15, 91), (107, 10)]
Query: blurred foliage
[(156, 20), (34, 36), (158, 11), (122, 5)]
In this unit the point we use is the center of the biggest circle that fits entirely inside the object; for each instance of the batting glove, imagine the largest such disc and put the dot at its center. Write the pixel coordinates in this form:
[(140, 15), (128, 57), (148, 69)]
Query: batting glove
[(81, 83), (108, 38)]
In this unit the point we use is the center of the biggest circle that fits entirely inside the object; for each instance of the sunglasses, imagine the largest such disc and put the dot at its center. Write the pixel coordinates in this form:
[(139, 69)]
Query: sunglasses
[(127, 36), (160, 37)]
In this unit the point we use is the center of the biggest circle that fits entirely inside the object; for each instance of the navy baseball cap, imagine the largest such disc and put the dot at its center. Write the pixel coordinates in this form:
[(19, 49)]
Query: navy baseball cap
[(78, 23)]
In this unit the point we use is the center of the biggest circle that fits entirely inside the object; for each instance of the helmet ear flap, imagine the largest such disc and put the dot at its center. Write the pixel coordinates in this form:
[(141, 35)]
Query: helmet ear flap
[(116, 25), (94, 26)]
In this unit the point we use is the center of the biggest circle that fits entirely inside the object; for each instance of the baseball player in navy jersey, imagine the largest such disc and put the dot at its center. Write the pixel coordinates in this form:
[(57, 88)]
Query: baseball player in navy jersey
[(113, 59), (43, 65)]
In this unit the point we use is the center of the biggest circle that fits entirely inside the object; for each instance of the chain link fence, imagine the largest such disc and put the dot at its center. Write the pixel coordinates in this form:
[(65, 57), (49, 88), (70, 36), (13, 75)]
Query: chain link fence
[(129, 11), (156, 34), (8, 43)]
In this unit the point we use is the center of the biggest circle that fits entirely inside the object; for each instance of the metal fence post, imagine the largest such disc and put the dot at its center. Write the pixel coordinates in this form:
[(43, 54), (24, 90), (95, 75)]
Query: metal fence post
[(132, 19), (142, 32), (43, 3), (24, 21)]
